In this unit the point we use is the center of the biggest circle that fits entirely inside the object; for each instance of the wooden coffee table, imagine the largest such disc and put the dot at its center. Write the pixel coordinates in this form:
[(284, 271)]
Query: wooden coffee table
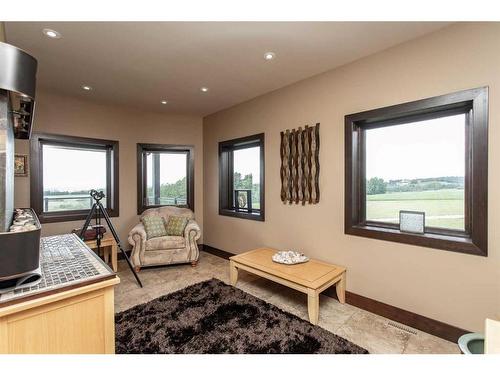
[(311, 278)]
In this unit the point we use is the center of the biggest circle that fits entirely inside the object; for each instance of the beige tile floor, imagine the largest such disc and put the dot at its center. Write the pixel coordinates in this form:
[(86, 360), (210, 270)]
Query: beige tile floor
[(368, 330)]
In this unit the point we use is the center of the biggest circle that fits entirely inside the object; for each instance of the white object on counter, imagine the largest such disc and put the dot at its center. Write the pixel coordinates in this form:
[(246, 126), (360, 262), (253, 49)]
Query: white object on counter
[(23, 221)]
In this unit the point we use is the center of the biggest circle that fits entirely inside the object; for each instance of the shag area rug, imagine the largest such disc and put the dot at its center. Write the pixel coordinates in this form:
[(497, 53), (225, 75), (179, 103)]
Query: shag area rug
[(213, 317)]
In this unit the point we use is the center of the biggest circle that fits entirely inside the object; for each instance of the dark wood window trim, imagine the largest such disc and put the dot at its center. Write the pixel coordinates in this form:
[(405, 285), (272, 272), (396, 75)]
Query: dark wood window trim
[(142, 149), (474, 102), (226, 148), (36, 178)]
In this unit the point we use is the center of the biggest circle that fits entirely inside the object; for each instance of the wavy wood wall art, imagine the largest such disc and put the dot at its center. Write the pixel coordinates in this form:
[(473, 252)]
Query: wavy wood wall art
[(300, 165)]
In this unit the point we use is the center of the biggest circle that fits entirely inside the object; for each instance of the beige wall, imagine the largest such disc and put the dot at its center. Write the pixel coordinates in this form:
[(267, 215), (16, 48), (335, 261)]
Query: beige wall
[(66, 115), (455, 288), (2, 32)]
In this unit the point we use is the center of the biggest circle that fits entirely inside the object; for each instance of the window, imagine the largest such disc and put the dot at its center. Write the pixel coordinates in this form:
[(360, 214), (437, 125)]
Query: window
[(428, 156), (65, 169), (418, 166), (165, 176), (241, 177)]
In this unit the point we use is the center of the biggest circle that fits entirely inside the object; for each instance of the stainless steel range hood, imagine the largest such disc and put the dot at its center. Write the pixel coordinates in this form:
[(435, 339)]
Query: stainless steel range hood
[(18, 77), (17, 70), (6, 163), (17, 94)]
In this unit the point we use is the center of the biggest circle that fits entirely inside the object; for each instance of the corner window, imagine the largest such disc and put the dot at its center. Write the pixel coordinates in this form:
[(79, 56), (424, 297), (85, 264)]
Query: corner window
[(241, 177), (428, 156), (165, 176), (64, 170)]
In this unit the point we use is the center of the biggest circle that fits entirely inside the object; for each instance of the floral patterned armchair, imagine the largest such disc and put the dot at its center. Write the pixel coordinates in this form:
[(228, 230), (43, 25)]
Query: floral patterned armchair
[(166, 249)]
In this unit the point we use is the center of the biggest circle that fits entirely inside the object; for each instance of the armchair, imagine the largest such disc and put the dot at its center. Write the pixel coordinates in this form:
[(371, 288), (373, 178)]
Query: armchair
[(167, 249)]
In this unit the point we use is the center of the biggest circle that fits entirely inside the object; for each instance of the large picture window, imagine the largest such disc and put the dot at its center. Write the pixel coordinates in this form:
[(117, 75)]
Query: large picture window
[(241, 177), (417, 166), (165, 176), (426, 156), (64, 170)]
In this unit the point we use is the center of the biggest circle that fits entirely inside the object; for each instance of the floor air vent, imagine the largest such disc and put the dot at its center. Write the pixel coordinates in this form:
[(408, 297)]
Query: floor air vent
[(402, 328)]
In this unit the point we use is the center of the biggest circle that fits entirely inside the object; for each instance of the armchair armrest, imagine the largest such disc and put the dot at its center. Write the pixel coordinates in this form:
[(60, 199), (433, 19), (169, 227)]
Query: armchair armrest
[(192, 233), (192, 230), (137, 233), (137, 238)]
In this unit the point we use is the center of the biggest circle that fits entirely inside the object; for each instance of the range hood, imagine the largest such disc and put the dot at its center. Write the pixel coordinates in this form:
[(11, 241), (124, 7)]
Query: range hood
[(17, 70), (17, 103), (18, 78)]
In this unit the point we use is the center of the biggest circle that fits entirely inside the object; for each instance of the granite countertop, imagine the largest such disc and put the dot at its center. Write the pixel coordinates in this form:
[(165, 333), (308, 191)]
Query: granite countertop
[(66, 263)]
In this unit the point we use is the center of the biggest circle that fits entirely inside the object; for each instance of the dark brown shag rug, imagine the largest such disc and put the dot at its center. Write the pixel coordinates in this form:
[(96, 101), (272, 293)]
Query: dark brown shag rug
[(213, 317)]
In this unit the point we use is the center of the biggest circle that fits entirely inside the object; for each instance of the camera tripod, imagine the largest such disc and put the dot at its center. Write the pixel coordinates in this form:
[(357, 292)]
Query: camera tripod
[(98, 209)]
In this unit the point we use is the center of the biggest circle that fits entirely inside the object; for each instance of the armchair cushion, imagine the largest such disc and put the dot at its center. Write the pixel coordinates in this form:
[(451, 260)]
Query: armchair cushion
[(175, 225), (154, 226), (165, 243)]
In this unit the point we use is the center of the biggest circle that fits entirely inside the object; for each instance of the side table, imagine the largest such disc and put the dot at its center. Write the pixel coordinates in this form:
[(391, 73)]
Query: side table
[(109, 247)]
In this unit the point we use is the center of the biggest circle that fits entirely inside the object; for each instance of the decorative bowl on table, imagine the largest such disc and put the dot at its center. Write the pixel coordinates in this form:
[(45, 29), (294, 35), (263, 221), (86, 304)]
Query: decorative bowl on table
[(289, 257)]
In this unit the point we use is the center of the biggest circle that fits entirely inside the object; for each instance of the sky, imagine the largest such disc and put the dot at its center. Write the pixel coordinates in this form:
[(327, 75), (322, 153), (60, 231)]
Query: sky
[(247, 161), (73, 170), (432, 148), (172, 168), (76, 169)]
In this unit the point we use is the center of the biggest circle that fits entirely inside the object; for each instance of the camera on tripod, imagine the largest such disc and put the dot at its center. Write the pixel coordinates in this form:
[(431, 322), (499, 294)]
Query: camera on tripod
[(97, 231), (97, 210), (97, 195)]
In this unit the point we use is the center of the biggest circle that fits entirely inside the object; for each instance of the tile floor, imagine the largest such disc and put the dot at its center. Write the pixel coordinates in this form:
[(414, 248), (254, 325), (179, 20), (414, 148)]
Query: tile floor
[(361, 327)]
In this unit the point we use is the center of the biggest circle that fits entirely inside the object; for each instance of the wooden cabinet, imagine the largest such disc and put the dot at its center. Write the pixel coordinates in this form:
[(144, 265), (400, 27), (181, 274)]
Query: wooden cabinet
[(77, 320)]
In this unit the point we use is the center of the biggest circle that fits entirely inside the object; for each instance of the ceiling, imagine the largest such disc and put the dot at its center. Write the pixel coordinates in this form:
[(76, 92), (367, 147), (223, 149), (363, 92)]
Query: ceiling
[(138, 64)]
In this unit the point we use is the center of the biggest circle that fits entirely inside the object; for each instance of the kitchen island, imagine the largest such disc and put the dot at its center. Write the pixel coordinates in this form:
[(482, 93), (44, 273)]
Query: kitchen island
[(71, 310)]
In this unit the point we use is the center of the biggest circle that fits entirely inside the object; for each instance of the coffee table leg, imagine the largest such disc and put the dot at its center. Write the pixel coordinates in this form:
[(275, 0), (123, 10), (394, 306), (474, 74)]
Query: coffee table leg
[(340, 287), (233, 273), (313, 306)]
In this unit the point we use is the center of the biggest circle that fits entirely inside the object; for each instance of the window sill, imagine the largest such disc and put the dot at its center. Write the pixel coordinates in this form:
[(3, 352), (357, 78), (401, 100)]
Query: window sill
[(258, 216), (59, 217), (436, 241)]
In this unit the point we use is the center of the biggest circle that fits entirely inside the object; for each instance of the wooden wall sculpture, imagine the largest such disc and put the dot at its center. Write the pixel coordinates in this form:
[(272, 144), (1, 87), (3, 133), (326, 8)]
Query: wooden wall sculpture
[(300, 165)]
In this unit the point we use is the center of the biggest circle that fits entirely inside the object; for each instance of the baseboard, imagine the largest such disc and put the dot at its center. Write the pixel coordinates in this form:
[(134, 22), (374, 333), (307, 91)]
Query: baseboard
[(408, 318), (420, 322), (120, 254), (214, 251)]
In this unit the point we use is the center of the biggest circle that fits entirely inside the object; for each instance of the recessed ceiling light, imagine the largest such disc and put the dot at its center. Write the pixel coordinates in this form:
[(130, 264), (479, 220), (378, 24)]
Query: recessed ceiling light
[(164, 102), (52, 33), (269, 56), (204, 89), (86, 88)]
